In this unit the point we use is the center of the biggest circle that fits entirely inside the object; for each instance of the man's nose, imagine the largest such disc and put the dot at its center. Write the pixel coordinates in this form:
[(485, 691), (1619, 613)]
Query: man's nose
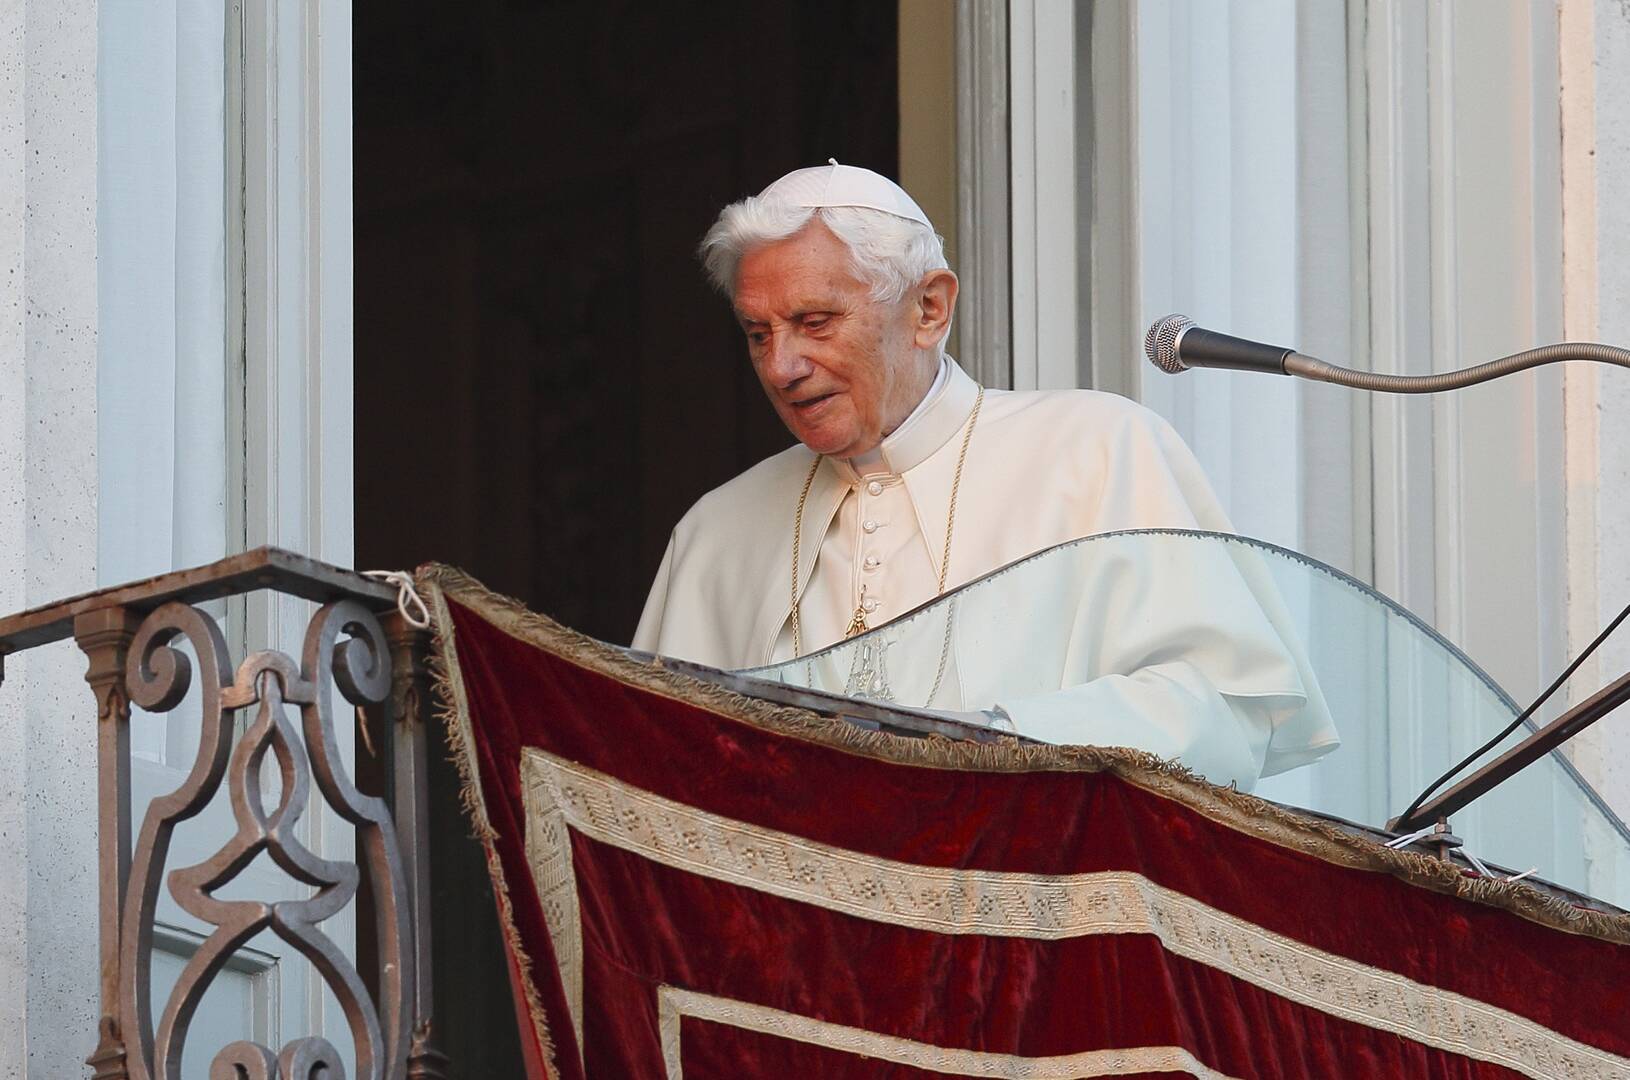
[(784, 359)]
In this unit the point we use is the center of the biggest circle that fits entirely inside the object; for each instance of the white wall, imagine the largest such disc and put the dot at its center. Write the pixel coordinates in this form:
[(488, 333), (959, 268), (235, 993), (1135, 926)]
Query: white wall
[(1596, 203), (48, 546)]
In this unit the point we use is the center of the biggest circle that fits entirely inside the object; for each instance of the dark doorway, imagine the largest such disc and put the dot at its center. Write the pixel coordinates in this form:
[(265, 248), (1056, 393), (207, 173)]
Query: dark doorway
[(543, 382)]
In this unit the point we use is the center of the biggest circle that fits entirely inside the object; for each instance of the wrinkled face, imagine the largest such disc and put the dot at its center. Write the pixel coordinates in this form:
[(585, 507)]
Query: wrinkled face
[(841, 369)]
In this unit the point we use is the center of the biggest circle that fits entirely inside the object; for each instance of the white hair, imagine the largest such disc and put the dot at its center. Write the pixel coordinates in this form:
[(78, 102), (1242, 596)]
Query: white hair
[(891, 252)]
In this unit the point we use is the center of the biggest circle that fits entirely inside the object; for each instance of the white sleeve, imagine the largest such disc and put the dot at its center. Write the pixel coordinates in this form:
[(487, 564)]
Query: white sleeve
[(1168, 709)]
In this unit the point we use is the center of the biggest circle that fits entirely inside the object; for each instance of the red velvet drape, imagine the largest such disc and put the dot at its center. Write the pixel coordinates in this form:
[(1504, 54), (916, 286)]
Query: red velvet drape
[(646, 924)]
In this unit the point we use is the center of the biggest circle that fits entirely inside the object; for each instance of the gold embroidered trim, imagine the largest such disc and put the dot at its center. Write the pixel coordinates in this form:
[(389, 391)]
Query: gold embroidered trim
[(1236, 810), (549, 854), (1044, 907), (674, 1003)]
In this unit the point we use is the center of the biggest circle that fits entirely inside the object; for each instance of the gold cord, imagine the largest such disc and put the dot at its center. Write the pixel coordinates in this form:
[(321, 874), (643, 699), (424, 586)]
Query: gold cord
[(945, 559), (956, 485), (797, 541), (945, 563)]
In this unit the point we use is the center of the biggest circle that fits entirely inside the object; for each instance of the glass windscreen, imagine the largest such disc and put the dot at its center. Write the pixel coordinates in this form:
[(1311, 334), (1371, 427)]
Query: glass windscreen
[(1108, 638)]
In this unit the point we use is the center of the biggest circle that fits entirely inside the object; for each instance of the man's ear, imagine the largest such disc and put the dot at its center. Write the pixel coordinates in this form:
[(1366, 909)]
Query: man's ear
[(936, 303)]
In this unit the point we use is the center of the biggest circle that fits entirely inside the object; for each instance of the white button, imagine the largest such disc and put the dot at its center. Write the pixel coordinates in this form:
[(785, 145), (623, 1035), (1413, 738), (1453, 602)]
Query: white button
[(870, 605), (872, 562), (875, 487), (869, 525)]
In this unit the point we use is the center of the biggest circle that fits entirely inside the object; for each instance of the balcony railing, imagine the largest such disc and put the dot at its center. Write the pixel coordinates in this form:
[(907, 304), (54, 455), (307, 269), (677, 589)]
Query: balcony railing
[(269, 709), (148, 644)]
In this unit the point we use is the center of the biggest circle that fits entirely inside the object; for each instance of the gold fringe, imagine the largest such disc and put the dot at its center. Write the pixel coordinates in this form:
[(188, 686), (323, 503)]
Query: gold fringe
[(1236, 810), (453, 709)]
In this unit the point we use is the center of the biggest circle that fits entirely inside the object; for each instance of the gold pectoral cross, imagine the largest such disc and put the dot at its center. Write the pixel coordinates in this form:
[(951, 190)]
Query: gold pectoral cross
[(857, 622)]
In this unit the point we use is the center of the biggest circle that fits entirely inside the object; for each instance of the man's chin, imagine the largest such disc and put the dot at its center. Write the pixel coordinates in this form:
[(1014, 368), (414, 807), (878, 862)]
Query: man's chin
[(828, 440), (825, 443), (835, 448)]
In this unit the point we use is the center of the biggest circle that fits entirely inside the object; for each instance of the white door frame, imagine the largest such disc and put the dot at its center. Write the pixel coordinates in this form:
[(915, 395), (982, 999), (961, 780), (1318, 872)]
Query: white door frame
[(230, 406), (984, 321)]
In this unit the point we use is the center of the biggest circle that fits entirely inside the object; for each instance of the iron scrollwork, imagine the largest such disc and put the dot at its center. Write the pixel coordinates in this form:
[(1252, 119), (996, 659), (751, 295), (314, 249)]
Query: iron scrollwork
[(344, 645)]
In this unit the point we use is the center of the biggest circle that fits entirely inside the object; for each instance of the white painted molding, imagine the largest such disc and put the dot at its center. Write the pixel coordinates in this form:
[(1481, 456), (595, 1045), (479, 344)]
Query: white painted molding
[(1463, 217), (1110, 301), (295, 288), (1580, 300), (296, 285), (1448, 440), (1218, 231), (1399, 333), (1043, 184), (1594, 58), (1335, 491), (984, 322)]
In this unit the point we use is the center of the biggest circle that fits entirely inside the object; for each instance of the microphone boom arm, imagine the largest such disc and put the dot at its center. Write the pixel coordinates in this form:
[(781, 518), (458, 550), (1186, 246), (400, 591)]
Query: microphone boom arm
[(1174, 344), (1309, 367)]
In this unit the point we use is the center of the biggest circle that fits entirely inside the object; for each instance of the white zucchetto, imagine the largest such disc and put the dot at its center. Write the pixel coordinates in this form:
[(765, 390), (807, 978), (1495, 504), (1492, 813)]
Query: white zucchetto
[(845, 185)]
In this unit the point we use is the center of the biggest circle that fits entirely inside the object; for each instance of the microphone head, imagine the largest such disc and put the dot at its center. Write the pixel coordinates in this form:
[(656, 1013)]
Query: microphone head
[(1160, 343)]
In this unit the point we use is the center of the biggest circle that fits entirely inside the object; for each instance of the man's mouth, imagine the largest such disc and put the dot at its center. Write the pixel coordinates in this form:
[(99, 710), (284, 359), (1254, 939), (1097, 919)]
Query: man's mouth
[(809, 403)]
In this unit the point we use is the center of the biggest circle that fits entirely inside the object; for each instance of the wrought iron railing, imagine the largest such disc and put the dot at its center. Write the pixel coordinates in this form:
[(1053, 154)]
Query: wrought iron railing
[(356, 642)]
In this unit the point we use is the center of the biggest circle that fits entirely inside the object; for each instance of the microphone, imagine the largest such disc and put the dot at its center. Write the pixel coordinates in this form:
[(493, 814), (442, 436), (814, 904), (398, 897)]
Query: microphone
[(1174, 345)]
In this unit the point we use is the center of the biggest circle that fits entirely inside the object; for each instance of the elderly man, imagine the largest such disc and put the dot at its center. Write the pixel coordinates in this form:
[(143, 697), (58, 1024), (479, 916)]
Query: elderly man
[(910, 479)]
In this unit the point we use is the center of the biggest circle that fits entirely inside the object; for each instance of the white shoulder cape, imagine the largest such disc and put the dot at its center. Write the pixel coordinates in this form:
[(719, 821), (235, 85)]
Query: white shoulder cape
[(1043, 467)]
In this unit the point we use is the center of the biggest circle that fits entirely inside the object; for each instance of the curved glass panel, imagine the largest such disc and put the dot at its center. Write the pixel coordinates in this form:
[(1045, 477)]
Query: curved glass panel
[(1406, 703)]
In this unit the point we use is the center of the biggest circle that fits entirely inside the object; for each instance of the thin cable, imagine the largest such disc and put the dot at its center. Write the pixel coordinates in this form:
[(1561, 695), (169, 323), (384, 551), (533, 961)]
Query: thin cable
[(1409, 838), (1519, 721)]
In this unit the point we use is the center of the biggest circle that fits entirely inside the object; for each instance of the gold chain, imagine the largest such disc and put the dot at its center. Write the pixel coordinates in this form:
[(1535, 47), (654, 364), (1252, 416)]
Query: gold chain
[(858, 623)]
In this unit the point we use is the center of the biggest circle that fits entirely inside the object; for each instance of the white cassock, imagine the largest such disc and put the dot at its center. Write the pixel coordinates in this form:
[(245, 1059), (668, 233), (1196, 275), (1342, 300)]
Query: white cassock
[(1202, 666)]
